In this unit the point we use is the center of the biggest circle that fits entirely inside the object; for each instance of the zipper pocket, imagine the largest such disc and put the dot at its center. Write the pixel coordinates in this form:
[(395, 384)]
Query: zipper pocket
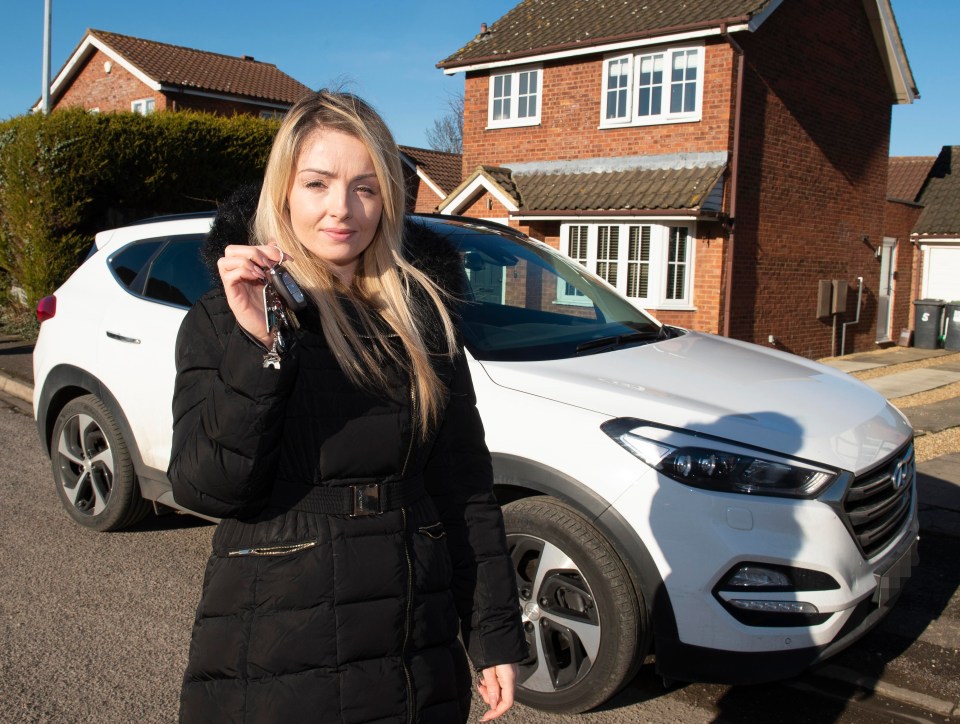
[(435, 531), (276, 550)]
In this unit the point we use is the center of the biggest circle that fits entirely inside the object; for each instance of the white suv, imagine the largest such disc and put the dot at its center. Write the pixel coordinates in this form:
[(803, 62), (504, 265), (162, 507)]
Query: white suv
[(744, 512)]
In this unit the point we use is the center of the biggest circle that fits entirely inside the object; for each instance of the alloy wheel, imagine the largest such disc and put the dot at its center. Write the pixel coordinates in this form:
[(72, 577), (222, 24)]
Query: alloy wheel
[(86, 464), (560, 617)]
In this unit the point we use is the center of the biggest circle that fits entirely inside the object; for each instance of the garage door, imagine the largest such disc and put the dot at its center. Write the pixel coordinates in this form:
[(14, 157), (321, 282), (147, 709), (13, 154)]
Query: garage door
[(941, 272)]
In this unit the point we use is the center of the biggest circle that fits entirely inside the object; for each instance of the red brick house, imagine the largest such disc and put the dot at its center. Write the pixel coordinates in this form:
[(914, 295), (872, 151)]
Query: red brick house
[(430, 176), (900, 256), (937, 231), (723, 163), (112, 72)]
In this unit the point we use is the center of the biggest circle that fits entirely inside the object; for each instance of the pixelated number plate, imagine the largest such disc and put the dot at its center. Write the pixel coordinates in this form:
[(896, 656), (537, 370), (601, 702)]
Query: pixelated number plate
[(891, 580)]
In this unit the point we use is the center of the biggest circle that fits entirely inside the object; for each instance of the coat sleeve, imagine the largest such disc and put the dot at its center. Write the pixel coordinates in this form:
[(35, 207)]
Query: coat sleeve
[(227, 417), (459, 477)]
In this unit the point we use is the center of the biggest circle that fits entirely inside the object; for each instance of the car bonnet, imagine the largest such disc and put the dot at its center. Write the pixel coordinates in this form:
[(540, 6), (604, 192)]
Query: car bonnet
[(725, 388)]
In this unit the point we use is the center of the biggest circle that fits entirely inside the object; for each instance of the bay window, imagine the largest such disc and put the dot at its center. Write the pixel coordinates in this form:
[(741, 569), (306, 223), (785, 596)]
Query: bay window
[(651, 263)]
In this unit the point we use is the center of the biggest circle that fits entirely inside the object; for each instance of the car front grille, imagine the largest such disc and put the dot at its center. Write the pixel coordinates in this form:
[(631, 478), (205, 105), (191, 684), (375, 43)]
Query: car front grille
[(877, 504)]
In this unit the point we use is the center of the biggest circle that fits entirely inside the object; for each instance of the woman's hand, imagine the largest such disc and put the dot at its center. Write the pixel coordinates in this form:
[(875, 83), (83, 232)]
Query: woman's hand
[(496, 687), (242, 270)]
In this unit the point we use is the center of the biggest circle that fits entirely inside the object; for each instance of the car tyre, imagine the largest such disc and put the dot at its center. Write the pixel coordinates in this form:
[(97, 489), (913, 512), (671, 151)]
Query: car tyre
[(585, 622), (92, 468)]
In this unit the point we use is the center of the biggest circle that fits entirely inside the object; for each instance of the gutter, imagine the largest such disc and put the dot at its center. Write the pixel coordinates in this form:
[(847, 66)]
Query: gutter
[(734, 174)]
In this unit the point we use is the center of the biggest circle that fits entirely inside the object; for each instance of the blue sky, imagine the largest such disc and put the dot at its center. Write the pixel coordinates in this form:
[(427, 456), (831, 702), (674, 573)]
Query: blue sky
[(386, 51)]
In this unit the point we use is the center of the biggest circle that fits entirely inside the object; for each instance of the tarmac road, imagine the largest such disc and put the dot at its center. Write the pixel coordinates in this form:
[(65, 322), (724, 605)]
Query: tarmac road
[(95, 627)]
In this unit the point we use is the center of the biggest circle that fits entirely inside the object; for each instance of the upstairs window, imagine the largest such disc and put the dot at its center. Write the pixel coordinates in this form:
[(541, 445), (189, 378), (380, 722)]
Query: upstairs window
[(515, 99), (648, 88), (647, 262), (144, 106)]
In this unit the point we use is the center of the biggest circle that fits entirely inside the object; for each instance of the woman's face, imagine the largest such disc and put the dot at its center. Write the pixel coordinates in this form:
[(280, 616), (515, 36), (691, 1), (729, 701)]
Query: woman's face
[(334, 199)]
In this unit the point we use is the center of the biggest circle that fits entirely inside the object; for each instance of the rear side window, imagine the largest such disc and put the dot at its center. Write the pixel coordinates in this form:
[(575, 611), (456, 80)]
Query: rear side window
[(129, 261), (166, 269)]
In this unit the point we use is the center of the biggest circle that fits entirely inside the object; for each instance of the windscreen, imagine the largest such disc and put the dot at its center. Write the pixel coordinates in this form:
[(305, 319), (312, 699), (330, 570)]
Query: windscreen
[(526, 301)]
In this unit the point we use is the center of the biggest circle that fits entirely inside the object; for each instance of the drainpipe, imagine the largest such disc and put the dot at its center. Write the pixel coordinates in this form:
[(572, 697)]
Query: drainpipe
[(843, 334), (734, 162)]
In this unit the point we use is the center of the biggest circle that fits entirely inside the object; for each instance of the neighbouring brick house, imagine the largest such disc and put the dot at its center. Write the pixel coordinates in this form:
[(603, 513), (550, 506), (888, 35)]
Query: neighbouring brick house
[(715, 160), (937, 231), (112, 72), (900, 255), (430, 176)]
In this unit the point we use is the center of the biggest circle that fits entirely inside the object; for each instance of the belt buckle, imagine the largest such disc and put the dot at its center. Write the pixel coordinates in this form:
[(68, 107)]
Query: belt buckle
[(366, 500)]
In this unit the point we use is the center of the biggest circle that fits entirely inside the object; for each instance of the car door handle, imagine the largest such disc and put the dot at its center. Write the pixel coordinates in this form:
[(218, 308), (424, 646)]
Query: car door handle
[(121, 338)]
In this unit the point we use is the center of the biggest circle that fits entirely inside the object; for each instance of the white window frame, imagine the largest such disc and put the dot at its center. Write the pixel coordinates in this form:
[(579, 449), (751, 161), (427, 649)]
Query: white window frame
[(512, 121), (634, 61), (582, 257), (660, 264), (143, 106)]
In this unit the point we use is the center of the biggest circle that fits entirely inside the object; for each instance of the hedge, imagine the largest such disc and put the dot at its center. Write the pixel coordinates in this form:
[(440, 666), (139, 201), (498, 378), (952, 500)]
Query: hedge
[(66, 176)]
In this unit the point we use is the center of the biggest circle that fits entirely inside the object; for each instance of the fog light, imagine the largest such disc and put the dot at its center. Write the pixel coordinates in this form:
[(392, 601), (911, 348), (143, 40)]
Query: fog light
[(756, 577), (752, 577), (775, 606)]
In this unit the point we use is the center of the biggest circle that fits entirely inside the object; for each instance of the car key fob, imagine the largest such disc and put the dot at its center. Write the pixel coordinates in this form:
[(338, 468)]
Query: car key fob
[(287, 288)]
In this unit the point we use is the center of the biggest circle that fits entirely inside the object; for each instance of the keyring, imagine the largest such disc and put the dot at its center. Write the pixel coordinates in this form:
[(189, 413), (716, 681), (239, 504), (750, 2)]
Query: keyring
[(282, 255)]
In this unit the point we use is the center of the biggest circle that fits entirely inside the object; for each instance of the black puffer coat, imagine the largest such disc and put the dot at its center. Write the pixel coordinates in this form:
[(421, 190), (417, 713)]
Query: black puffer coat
[(309, 615)]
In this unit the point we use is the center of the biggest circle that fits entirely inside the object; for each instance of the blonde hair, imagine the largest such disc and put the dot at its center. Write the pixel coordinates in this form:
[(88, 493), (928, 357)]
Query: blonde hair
[(385, 284)]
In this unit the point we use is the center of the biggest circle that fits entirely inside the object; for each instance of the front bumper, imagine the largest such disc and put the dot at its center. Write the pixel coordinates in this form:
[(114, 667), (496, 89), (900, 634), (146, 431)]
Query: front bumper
[(698, 537)]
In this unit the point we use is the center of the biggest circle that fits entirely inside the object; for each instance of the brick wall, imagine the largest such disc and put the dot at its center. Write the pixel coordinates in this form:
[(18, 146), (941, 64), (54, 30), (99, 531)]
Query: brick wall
[(570, 118), (217, 106), (422, 198), (93, 87), (812, 182)]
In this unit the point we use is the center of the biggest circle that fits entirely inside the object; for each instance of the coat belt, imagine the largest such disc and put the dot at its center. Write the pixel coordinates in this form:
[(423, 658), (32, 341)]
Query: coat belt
[(357, 500)]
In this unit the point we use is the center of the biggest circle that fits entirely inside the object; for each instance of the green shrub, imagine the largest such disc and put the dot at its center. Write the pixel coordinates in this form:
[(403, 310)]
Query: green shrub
[(66, 176)]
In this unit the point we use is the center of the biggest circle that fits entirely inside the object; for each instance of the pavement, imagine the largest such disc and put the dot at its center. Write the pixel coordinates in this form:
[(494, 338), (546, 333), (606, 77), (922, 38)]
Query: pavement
[(938, 480)]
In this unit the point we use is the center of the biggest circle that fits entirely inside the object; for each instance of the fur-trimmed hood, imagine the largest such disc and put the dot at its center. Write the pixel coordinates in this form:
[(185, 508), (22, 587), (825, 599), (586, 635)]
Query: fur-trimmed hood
[(427, 250)]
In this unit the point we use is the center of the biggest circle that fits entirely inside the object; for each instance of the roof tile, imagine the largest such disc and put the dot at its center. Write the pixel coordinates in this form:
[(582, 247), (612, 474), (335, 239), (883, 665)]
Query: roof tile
[(626, 190), (941, 196), (443, 168), (538, 25), (199, 69), (906, 174)]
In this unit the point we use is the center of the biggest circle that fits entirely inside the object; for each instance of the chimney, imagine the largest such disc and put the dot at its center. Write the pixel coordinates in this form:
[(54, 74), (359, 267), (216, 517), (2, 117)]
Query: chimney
[(483, 28)]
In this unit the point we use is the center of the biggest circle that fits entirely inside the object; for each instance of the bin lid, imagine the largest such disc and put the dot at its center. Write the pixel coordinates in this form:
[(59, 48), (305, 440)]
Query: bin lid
[(935, 302)]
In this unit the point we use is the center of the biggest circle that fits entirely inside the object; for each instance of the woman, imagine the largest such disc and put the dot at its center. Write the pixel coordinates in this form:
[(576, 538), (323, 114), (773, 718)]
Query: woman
[(359, 531)]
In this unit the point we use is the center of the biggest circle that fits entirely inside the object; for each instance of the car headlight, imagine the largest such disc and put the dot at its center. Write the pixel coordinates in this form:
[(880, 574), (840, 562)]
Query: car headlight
[(716, 464)]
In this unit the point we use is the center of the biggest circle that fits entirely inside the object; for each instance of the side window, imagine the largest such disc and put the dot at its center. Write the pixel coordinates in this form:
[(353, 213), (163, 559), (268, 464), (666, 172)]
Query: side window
[(131, 260), (166, 269), (177, 275)]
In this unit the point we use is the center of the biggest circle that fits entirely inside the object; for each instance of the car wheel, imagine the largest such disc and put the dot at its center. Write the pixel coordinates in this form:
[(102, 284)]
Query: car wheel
[(584, 621), (92, 467)]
